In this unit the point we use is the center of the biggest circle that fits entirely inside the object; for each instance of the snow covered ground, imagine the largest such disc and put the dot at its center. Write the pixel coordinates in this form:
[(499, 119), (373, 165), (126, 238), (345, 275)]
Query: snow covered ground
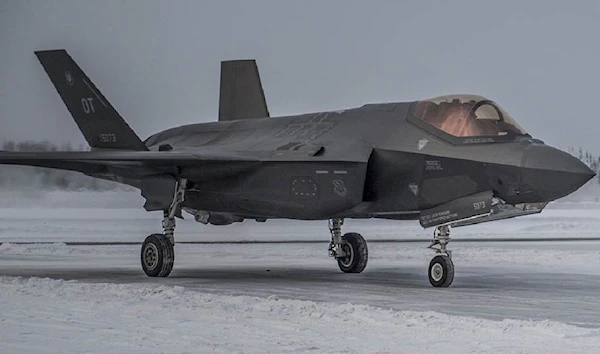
[(507, 297), (43, 315)]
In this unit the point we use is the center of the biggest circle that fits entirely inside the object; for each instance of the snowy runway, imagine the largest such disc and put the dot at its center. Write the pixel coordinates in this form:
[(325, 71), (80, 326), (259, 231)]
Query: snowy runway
[(526, 285), (507, 297)]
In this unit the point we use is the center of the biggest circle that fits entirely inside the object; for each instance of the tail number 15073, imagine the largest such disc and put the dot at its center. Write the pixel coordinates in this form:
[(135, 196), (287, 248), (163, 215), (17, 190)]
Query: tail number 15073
[(108, 138)]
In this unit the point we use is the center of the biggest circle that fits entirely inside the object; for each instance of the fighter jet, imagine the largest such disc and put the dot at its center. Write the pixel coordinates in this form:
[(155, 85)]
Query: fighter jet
[(448, 161)]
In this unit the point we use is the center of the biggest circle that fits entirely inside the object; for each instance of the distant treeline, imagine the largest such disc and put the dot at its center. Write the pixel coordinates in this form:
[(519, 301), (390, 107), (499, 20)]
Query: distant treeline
[(588, 158), (19, 177)]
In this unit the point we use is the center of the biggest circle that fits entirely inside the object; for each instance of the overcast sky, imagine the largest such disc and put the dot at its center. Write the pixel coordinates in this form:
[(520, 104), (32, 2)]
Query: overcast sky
[(158, 62)]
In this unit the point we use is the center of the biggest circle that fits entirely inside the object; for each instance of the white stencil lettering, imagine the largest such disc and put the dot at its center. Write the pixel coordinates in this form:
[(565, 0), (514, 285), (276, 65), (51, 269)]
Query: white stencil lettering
[(88, 105)]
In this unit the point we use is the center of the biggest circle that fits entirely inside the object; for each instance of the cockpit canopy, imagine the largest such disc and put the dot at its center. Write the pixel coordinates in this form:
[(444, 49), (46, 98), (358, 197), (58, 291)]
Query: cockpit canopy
[(467, 116)]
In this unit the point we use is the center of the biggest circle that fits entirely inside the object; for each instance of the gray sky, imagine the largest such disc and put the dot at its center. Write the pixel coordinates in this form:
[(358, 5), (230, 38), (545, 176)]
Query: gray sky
[(158, 62)]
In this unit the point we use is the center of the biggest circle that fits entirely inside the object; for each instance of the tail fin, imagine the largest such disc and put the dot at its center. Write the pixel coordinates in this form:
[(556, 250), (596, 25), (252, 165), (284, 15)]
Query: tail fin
[(99, 122), (241, 95)]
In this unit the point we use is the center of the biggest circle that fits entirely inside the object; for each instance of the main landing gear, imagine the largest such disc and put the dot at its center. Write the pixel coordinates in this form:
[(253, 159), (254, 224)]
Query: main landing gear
[(441, 268), (157, 253), (350, 250)]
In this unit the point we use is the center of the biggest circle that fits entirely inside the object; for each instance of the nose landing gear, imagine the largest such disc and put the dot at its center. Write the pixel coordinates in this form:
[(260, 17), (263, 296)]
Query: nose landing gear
[(441, 267)]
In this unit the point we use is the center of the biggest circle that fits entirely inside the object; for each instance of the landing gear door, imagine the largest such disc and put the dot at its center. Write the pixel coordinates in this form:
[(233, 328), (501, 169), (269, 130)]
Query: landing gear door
[(473, 206), (159, 192)]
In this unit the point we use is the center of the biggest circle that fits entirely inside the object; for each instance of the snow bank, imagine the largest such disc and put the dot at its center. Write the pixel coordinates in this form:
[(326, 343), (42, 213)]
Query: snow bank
[(70, 199), (44, 316), (51, 249)]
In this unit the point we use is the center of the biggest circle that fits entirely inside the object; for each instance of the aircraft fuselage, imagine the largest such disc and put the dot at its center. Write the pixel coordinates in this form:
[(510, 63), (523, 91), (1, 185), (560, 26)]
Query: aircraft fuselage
[(389, 167)]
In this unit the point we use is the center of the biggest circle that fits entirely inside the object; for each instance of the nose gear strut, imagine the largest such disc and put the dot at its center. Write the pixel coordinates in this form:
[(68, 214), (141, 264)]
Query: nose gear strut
[(441, 238), (441, 267)]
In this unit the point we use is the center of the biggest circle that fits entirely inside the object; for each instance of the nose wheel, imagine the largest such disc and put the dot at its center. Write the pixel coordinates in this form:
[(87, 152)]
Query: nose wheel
[(441, 267), (441, 271)]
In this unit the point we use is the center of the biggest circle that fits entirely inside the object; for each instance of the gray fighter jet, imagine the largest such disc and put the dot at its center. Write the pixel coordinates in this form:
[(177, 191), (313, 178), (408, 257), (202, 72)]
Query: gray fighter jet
[(447, 162)]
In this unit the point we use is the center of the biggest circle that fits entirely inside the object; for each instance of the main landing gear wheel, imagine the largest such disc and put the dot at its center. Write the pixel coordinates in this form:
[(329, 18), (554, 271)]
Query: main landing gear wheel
[(441, 271), (356, 253), (350, 250), (157, 256)]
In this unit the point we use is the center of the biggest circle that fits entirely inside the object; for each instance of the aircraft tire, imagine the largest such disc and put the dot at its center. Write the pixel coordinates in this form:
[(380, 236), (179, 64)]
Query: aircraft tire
[(441, 271), (356, 245), (157, 256)]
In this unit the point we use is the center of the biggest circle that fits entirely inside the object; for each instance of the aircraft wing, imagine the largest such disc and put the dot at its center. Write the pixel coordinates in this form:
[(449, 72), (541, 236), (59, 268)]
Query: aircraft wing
[(94, 162), (150, 158), (98, 161)]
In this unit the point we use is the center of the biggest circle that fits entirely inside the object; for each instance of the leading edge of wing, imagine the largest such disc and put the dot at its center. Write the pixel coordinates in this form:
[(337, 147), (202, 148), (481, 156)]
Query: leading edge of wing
[(144, 157)]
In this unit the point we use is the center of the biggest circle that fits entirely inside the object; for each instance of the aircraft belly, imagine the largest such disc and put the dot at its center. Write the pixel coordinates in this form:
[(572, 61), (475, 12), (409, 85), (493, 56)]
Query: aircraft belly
[(296, 190)]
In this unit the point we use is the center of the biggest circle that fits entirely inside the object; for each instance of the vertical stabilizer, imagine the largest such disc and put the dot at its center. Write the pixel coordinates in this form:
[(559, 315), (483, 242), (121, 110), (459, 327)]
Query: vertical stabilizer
[(241, 95), (99, 122)]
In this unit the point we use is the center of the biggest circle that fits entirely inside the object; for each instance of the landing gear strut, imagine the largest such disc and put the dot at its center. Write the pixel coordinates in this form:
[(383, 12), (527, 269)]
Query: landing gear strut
[(158, 254), (350, 250), (441, 268)]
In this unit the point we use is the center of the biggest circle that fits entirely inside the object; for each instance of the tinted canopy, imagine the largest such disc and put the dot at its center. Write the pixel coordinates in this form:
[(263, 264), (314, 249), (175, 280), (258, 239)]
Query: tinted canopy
[(466, 116)]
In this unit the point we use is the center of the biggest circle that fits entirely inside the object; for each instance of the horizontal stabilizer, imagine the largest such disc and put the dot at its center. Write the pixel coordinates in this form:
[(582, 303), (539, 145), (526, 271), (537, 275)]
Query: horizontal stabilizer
[(241, 95)]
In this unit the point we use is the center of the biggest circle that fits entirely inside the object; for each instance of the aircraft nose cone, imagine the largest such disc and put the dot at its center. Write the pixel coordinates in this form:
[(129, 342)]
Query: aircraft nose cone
[(549, 174)]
